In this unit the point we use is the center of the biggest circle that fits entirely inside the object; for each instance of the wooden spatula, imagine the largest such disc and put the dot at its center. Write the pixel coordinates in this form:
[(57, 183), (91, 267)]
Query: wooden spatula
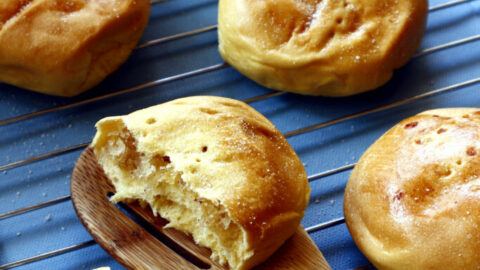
[(136, 248)]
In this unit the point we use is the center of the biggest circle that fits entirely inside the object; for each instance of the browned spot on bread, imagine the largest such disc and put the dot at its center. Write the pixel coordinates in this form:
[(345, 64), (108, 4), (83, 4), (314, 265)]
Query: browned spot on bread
[(441, 130), (160, 161), (411, 125), (11, 10), (130, 159), (423, 189), (230, 104), (471, 151), (208, 111), (69, 6), (151, 121), (252, 129), (399, 195)]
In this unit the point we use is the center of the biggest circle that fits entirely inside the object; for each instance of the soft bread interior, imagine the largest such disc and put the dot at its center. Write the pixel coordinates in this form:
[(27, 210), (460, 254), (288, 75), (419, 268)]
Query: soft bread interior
[(153, 179)]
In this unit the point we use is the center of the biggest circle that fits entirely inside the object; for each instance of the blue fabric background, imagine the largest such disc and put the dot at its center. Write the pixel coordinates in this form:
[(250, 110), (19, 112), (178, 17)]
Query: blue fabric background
[(33, 233)]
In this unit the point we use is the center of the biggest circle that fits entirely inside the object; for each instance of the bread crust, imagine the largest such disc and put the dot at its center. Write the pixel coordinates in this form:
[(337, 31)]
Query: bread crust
[(412, 200), (314, 47), (229, 154), (62, 47)]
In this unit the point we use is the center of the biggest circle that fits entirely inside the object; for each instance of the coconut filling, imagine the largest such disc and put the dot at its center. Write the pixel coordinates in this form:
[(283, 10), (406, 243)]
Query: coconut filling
[(153, 180)]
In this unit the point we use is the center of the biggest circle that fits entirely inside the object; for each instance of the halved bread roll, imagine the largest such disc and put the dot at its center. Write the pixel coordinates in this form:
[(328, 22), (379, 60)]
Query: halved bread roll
[(412, 201), (214, 168), (63, 48), (320, 47)]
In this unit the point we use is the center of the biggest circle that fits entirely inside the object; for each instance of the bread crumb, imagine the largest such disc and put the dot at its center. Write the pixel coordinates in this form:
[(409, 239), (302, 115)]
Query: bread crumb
[(48, 217)]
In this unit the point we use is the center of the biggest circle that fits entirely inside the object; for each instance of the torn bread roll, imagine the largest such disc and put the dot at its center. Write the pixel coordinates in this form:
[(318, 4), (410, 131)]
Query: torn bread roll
[(63, 48), (320, 47), (214, 168), (412, 201)]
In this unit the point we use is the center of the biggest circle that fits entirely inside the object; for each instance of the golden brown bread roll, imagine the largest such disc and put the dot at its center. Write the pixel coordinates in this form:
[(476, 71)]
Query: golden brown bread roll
[(215, 168), (412, 201), (63, 48), (314, 47)]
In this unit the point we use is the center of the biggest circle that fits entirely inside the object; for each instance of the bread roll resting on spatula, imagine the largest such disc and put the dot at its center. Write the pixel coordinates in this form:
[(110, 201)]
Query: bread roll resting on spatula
[(214, 168)]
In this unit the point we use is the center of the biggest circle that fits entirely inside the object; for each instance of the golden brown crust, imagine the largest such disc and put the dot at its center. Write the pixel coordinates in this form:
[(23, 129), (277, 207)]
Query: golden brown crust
[(66, 47), (230, 154), (329, 48), (412, 200)]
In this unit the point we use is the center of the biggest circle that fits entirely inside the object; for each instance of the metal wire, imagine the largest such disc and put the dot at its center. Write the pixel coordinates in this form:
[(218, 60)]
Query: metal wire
[(27, 116), (448, 4), (20, 211), (34, 207), (447, 45), (76, 147), (186, 75), (433, 8), (287, 134), (263, 97), (47, 255), (43, 157), (382, 108), (331, 172), (115, 94), (312, 229), (314, 177), (325, 225), (177, 36), (174, 78)]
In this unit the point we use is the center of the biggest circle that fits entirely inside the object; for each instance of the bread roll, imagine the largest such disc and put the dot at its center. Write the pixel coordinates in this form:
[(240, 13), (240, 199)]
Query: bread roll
[(214, 168), (412, 201), (314, 47), (63, 48)]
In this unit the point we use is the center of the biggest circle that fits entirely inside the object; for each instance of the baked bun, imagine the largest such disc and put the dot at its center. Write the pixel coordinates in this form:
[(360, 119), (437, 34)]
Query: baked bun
[(315, 47), (214, 168), (63, 48), (412, 201)]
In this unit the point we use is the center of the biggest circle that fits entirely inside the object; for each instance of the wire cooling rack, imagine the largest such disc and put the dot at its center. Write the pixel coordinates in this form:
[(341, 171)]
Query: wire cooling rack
[(41, 137)]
